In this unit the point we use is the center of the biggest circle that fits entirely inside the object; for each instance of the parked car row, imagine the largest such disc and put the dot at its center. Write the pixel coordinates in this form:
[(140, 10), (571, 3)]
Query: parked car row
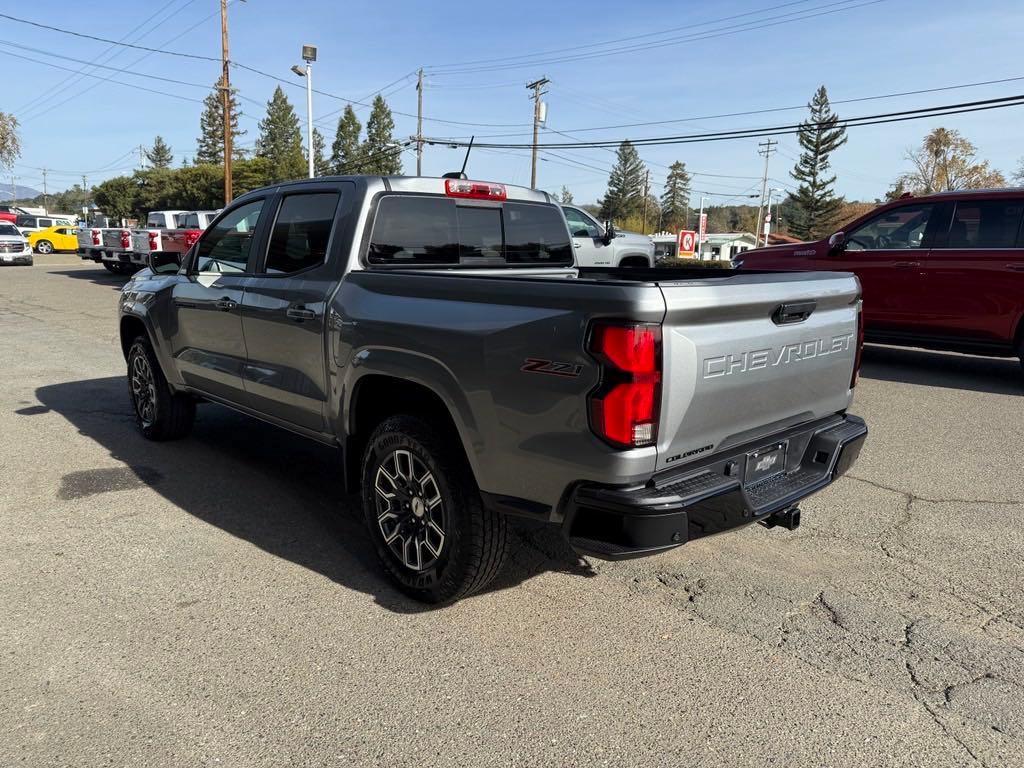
[(942, 271), (126, 249)]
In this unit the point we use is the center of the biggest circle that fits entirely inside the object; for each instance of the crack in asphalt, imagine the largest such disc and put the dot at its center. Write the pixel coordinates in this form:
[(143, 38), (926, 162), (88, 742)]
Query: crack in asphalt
[(912, 497)]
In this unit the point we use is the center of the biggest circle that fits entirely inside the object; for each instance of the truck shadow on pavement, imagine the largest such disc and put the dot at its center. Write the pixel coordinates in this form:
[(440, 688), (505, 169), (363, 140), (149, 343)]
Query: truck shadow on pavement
[(99, 276), (995, 375), (276, 490)]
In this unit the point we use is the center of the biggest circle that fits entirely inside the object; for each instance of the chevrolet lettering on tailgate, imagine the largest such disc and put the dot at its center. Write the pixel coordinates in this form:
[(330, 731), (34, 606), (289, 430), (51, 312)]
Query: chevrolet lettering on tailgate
[(756, 359)]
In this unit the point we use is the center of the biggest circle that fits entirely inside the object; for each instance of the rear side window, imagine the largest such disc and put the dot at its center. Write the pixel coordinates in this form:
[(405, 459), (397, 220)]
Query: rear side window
[(985, 224), (301, 232), (440, 231), (191, 221)]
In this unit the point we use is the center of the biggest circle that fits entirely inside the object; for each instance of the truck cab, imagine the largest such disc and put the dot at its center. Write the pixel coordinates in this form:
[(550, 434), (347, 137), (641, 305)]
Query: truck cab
[(601, 245)]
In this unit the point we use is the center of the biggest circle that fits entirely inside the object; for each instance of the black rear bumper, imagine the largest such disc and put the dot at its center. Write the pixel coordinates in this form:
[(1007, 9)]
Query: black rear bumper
[(710, 496)]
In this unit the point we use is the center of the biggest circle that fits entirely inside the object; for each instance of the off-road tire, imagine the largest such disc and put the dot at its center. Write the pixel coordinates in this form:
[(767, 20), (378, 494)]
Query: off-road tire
[(475, 538), (171, 414)]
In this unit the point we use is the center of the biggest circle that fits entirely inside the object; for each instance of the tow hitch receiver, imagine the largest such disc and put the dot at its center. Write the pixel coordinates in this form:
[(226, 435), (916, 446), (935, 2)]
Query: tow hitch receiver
[(787, 518)]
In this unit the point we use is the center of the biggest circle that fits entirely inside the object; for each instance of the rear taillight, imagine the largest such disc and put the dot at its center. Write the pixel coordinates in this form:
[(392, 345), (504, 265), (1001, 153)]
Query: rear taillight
[(476, 190), (126, 239), (624, 408), (858, 354), (154, 241), (96, 237), (191, 236)]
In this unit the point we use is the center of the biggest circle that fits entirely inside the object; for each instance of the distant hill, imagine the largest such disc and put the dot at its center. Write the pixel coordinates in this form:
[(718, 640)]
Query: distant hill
[(20, 192)]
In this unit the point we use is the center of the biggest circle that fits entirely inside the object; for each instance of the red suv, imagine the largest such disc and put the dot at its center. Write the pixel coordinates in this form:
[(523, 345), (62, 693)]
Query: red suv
[(944, 271)]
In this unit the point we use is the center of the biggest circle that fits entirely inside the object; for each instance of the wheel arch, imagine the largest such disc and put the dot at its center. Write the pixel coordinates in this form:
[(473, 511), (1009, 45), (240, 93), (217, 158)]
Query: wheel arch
[(634, 260)]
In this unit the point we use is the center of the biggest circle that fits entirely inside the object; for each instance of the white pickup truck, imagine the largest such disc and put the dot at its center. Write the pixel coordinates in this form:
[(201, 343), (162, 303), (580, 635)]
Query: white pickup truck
[(113, 247), (179, 237)]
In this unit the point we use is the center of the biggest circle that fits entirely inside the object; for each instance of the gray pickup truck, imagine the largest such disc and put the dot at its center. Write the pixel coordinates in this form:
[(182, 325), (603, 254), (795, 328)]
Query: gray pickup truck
[(440, 334)]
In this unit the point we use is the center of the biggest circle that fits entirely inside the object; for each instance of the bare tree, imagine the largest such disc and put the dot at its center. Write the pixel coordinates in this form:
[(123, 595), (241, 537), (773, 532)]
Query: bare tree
[(947, 161), (10, 146)]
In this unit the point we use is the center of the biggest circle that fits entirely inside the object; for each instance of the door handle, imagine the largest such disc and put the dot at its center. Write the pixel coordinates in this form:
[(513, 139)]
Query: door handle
[(226, 304), (906, 264), (300, 313), (577, 244)]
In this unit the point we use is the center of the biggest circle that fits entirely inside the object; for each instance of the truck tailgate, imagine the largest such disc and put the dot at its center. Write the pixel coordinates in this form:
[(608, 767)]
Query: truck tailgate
[(741, 361)]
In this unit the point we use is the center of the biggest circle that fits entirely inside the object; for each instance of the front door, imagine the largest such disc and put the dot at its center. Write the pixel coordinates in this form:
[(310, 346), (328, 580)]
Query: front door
[(974, 274), (587, 239), (207, 340), (887, 253), (284, 310)]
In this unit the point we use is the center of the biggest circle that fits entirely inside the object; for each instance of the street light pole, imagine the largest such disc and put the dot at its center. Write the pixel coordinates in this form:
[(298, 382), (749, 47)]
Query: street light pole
[(700, 234), (309, 55)]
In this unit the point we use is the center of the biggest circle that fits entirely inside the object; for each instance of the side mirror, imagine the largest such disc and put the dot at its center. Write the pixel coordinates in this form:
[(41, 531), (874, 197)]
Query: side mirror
[(836, 243), (164, 262), (609, 231)]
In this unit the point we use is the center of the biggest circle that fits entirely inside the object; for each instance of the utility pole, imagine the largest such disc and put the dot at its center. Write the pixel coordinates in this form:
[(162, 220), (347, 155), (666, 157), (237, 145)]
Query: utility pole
[(766, 149), (536, 86), (647, 178), (419, 123), (46, 197), (225, 95), (14, 191)]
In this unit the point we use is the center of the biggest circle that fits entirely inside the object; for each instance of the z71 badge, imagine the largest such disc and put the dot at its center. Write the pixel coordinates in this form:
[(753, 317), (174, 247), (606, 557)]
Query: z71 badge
[(551, 367)]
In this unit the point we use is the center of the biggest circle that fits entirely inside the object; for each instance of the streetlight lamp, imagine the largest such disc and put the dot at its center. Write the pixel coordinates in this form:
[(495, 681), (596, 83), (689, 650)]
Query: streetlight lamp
[(309, 56)]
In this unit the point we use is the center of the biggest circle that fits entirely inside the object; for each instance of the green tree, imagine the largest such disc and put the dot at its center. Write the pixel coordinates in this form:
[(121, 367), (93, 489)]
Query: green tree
[(814, 206), (10, 146), (320, 167), (566, 197), (248, 174), (345, 149), (280, 140), (946, 161), (624, 198), (380, 155), (117, 197), (210, 145), (675, 200), (160, 155)]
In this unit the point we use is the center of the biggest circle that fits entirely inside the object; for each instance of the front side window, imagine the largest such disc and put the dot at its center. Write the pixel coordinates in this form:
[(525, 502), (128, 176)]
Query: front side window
[(301, 232), (225, 247), (985, 224), (580, 224), (896, 229)]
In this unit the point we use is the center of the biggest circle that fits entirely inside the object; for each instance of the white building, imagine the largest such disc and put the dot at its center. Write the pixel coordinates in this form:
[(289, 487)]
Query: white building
[(719, 246)]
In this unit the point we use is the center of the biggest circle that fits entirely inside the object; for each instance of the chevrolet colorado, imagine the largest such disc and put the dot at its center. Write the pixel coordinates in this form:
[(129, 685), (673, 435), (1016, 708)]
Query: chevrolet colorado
[(440, 334)]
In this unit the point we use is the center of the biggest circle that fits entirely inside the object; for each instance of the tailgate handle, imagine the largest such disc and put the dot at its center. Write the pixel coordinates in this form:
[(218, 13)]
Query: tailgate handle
[(786, 314)]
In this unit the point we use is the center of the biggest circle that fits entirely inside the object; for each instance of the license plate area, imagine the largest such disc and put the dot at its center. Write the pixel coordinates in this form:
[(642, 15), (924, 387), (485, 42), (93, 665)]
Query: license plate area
[(765, 462)]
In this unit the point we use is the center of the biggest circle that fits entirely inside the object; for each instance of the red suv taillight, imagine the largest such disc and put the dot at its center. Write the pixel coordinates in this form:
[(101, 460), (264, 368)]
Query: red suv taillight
[(126, 239), (624, 408), (859, 353), (96, 237), (154, 241), (191, 236)]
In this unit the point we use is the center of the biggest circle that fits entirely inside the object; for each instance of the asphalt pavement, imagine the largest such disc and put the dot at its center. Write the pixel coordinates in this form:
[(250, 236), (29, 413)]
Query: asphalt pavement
[(215, 602)]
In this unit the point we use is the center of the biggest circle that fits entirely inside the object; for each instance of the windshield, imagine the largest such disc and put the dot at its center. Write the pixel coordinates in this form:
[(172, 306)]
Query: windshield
[(9, 230)]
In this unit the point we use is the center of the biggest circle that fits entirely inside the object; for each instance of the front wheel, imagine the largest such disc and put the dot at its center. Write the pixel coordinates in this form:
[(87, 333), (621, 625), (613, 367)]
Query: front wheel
[(160, 413), (423, 511)]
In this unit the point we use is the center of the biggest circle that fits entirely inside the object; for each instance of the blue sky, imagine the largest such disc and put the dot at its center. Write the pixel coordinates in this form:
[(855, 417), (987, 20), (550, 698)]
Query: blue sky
[(857, 48)]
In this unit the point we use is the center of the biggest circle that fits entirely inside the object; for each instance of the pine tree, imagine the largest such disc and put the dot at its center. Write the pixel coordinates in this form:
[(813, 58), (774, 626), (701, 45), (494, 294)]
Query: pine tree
[(675, 200), (380, 156), (815, 206), (566, 196), (280, 140), (319, 161), (159, 155), (625, 194), (210, 145), (345, 149)]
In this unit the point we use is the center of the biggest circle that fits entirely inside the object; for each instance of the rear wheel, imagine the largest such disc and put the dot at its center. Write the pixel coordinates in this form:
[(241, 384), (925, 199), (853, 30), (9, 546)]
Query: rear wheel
[(44, 246), (111, 266), (423, 511), (160, 413)]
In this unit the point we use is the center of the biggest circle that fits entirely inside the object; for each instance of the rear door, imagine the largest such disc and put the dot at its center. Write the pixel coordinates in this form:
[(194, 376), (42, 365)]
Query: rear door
[(974, 273), (284, 309), (740, 363), (207, 342)]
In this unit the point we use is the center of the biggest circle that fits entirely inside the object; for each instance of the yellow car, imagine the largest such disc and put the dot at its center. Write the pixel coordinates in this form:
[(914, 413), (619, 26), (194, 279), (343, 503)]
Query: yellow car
[(59, 238)]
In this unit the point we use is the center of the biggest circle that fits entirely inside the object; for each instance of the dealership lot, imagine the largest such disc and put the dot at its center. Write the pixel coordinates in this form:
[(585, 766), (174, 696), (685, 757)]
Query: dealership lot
[(214, 601)]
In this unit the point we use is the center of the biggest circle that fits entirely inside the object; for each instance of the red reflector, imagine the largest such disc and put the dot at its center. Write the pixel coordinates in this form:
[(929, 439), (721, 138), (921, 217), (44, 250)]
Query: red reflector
[(624, 409), (476, 190)]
